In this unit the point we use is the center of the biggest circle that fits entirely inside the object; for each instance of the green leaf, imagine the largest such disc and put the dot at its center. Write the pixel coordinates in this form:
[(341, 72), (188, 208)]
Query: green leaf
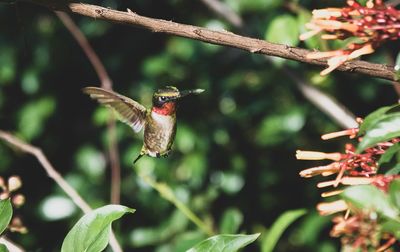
[(394, 171), (392, 227), (3, 248), (283, 30), (386, 128), (394, 192), (92, 231), (231, 220), (271, 238), (389, 153), (371, 198), (224, 243), (33, 116), (373, 118), (5, 214)]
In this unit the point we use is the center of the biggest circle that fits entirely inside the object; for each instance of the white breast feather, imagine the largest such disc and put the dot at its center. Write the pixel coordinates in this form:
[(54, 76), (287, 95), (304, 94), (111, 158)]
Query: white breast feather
[(164, 121)]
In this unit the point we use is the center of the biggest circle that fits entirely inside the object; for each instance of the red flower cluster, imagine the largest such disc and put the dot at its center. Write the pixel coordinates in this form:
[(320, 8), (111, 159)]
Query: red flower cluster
[(357, 229), (371, 25)]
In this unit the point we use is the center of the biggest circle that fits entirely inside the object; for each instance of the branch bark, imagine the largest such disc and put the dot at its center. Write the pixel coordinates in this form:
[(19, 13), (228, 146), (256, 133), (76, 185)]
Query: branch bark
[(224, 38), (11, 246)]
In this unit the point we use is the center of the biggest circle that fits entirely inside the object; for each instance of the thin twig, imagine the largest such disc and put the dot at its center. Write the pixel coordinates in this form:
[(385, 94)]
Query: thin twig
[(11, 246), (214, 37), (166, 192), (52, 173), (327, 104), (387, 245), (106, 83)]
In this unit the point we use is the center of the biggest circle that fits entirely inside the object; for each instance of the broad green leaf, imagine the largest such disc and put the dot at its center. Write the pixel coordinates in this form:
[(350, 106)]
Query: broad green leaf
[(386, 128), (371, 198), (283, 30), (224, 243), (392, 227), (5, 214), (91, 233), (394, 192), (271, 238), (372, 118), (394, 171), (33, 116), (389, 153), (3, 248), (231, 220), (243, 6)]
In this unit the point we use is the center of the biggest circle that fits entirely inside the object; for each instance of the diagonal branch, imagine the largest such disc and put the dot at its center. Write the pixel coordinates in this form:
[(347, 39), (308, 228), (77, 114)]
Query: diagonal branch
[(52, 173), (327, 104), (224, 38), (106, 83), (11, 246)]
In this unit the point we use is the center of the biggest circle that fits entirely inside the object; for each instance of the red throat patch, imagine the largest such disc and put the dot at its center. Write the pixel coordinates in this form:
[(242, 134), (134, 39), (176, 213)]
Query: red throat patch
[(167, 108)]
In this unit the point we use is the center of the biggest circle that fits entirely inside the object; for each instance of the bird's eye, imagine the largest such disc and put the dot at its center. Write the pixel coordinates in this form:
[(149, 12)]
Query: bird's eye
[(162, 98)]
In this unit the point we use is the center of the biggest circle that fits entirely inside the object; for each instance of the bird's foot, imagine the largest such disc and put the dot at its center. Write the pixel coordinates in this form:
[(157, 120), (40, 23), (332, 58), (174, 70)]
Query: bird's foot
[(164, 154)]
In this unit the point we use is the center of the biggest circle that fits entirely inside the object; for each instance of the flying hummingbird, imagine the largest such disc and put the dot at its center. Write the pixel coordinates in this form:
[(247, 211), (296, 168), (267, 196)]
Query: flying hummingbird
[(159, 122)]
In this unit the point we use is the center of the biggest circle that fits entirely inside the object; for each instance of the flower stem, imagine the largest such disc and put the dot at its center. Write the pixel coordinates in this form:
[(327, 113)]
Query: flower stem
[(167, 193)]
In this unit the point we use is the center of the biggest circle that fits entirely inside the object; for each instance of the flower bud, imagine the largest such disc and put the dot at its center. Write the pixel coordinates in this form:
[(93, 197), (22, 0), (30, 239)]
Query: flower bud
[(18, 200), (14, 183)]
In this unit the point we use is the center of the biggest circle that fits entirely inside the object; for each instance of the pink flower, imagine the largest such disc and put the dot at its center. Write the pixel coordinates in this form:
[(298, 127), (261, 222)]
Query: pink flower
[(372, 25)]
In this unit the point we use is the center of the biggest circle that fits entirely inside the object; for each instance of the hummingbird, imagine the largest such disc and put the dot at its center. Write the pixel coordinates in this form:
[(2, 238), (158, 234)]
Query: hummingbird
[(159, 122)]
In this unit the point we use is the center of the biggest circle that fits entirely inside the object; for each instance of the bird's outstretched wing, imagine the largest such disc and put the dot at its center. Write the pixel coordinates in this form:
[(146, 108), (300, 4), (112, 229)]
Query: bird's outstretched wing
[(129, 111)]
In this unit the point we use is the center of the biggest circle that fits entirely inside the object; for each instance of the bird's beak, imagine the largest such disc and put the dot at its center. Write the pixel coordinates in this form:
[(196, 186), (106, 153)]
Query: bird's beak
[(189, 92)]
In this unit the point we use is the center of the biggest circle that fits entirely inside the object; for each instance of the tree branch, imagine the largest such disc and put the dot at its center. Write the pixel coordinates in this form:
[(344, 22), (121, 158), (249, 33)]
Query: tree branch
[(11, 246), (324, 102), (106, 83), (214, 37), (52, 173)]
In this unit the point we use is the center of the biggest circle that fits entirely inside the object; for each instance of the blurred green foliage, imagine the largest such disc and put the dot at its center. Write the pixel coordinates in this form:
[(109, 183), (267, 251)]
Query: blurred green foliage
[(233, 161)]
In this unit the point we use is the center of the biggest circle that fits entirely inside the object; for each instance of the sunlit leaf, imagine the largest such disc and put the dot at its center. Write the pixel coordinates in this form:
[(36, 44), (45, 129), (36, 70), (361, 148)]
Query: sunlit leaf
[(3, 248), (394, 171), (283, 30), (392, 227), (271, 238), (277, 128), (57, 207), (386, 128), (370, 197), (231, 220), (394, 192), (224, 243), (33, 115), (92, 231), (5, 214), (243, 6), (389, 153), (373, 117)]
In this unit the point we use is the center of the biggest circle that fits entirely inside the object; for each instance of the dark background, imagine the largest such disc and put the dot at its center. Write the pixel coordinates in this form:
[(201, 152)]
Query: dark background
[(234, 156)]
